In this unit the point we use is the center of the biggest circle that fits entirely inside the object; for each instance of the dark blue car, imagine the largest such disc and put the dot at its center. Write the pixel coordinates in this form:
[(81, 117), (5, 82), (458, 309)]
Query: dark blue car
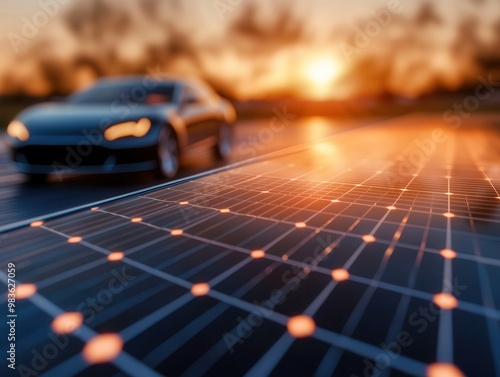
[(122, 125)]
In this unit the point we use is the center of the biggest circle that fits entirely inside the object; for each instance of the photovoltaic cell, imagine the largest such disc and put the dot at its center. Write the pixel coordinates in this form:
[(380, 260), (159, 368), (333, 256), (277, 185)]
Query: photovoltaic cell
[(368, 202)]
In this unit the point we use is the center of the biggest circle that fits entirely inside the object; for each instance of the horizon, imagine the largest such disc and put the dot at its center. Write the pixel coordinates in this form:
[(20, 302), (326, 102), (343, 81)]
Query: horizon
[(250, 49)]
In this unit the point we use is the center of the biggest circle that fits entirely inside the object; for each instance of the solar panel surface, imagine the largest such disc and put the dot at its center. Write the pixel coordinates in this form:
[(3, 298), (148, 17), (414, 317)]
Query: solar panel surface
[(375, 252)]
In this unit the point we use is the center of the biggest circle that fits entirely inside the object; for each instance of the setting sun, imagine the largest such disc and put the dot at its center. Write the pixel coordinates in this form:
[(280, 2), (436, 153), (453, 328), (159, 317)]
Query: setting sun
[(321, 70), (319, 74)]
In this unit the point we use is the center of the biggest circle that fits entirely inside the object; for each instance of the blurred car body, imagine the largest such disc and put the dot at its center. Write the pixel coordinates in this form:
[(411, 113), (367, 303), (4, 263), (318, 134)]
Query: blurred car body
[(118, 125)]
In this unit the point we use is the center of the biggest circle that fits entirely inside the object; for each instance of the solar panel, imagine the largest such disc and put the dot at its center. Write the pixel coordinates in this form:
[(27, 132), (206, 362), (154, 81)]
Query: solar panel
[(372, 253)]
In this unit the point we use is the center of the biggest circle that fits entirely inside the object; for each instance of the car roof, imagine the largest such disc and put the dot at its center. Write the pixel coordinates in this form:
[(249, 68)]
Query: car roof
[(137, 79)]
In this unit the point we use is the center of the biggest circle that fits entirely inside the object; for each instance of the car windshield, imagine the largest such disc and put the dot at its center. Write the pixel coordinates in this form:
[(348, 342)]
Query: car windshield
[(124, 93)]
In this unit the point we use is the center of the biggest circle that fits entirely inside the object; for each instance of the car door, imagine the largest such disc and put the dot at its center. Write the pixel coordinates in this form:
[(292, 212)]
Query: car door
[(200, 116)]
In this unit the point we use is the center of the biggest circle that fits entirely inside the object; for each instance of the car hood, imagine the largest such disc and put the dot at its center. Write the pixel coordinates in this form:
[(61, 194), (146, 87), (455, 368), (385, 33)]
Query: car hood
[(70, 119)]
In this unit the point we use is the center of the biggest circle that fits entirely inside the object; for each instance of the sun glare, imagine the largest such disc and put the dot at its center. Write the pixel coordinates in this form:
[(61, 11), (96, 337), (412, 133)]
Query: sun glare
[(319, 74), (321, 70)]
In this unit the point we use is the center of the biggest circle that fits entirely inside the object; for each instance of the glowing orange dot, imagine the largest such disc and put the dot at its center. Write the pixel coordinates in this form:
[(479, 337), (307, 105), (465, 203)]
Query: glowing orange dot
[(94, 208), (136, 219), (257, 254), (301, 326), (67, 323), (390, 208), (445, 301), (25, 290), (115, 256), (300, 225), (448, 214), (102, 348), (36, 223), (443, 370), (225, 210), (200, 289), (74, 239), (176, 232), (184, 203), (448, 254), (340, 274), (368, 238), (265, 192), (284, 257)]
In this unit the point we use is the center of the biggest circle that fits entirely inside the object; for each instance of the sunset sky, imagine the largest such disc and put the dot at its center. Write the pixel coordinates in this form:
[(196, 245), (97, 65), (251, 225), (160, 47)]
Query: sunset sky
[(252, 48)]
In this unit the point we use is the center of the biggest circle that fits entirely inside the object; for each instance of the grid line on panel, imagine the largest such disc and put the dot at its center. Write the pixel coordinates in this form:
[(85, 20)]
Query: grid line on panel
[(207, 230), (279, 318)]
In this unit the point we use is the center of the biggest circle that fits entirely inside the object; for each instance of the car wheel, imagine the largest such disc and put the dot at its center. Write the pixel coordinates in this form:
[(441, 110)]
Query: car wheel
[(168, 153), (32, 178), (222, 149)]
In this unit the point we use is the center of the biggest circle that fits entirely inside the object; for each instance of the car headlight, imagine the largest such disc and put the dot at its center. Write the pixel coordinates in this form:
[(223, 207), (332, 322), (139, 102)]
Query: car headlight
[(126, 129), (17, 129)]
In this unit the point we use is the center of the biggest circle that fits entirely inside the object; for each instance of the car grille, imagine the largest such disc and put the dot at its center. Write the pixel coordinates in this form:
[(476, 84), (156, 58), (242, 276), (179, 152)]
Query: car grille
[(64, 155), (73, 155)]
